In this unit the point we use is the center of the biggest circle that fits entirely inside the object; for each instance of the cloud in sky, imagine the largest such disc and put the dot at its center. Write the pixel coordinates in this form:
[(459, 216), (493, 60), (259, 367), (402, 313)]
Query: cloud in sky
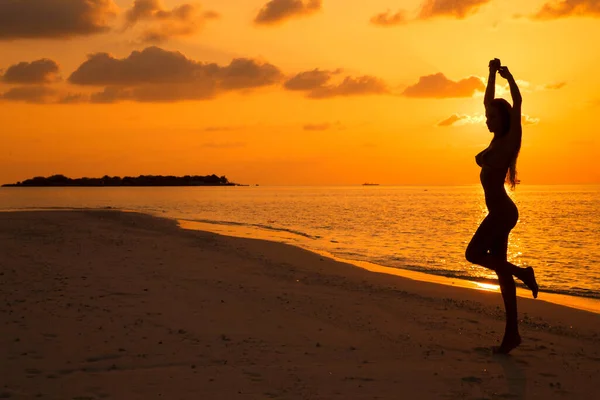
[(158, 75), (309, 80), (73, 98), (317, 84), (42, 94), (458, 9), (503, 89), (245, 73), (351, 86), (451, 120), (463, 119), (390, 19), (568, 8), (155, 74), (438, 86), (31, 94), (111, 94), (276, 11), (555, 86), (527, 120), (54, 18), (35, 72), (161, 24)]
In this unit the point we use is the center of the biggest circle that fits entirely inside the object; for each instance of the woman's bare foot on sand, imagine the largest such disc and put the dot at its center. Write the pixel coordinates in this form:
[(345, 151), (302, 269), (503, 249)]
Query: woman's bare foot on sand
[(529, 280), (508, 343)]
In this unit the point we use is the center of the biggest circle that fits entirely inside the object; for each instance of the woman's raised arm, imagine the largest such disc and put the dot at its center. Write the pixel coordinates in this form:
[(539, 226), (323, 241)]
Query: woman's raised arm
[(515, 94), (490, 90)]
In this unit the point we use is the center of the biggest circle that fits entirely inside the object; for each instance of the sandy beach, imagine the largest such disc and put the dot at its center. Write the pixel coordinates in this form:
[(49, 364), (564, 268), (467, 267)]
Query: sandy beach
[(106, 304)]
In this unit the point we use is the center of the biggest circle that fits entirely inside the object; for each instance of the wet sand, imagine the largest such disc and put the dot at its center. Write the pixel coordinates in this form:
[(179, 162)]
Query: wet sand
[(105, 304)]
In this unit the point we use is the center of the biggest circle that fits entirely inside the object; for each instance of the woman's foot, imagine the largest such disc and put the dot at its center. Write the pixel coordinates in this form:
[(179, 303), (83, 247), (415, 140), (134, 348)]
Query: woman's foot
[(529, 280), (508, 343)]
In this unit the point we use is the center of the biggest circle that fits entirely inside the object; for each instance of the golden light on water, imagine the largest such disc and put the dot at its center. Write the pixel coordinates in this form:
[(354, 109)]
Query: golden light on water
[(487, 286)]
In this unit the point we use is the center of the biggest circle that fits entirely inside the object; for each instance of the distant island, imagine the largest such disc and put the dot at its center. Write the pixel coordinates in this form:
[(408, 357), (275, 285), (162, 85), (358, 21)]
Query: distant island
[(370, 184), (142, 180)]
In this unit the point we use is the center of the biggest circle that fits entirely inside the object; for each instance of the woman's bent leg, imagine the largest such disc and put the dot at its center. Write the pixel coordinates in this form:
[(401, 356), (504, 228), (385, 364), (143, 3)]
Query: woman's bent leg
[(488, 248), (502, 267)]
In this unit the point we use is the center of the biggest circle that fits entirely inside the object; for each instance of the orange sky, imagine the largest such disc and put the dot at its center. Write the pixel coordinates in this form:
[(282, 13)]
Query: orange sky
[(293, 92)]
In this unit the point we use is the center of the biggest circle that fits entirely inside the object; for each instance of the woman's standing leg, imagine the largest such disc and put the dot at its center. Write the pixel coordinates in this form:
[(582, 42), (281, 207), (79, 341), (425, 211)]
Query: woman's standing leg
[(489, 248), (512, 339)]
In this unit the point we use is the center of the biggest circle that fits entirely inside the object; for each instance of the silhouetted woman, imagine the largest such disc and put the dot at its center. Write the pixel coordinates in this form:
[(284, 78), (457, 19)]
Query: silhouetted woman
[(498, 162)]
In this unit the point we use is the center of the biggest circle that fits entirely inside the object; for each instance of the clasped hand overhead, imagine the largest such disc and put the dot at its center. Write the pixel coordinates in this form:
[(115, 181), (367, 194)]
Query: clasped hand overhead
[(496, 66)]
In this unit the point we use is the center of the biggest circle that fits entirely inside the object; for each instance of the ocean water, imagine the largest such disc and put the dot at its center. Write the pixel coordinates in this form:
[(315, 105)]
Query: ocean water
[(418, 228)]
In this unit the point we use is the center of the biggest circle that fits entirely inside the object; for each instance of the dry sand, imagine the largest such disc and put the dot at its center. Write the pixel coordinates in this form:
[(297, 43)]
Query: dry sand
[(105, 304)]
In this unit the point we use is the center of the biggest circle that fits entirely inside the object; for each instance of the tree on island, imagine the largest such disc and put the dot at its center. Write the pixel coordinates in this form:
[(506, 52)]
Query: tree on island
[(142, 180)]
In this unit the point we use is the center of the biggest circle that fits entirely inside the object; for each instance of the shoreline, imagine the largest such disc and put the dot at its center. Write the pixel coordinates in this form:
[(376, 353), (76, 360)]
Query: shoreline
[(112, 304), (575, 302)]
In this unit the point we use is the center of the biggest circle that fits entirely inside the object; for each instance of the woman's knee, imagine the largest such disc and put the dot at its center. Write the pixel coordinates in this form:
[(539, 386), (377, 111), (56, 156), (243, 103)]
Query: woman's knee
[(474, 255)]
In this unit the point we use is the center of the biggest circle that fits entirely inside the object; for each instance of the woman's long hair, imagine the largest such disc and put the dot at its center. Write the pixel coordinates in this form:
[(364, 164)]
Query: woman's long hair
[(505, 110)]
